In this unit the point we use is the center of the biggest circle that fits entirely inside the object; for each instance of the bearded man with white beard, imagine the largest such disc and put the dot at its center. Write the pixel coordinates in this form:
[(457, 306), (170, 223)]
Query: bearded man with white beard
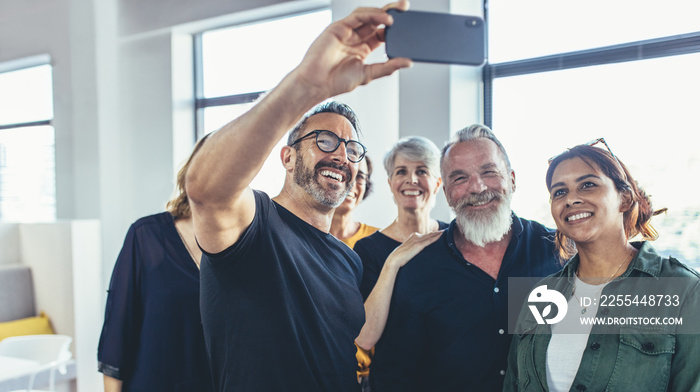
[(447, 327)]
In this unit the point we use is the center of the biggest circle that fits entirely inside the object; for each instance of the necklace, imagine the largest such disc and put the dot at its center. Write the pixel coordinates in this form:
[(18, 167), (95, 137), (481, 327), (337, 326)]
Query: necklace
[(602, 286)]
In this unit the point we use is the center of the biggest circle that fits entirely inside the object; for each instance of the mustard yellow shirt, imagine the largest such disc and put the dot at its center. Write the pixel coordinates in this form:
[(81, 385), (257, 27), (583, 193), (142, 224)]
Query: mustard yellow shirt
[(364, 231), (364, 357)]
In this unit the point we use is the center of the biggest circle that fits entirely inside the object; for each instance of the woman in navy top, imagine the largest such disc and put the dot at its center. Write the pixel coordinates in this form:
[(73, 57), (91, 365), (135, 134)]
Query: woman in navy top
[(413, 168), (152, 337)]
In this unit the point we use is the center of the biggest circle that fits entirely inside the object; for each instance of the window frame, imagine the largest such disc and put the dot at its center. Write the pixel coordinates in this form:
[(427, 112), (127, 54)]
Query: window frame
[(673, 45), (19, 65), (655, 48), (26, 124), (200, 102)]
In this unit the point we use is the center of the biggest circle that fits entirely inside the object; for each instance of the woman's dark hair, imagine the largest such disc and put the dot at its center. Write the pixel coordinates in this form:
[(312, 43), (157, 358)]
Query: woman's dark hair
[(368, 182), (637, 217)]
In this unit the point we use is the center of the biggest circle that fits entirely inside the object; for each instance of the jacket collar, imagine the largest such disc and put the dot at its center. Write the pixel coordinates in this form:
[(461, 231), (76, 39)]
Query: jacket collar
[(646, 263)]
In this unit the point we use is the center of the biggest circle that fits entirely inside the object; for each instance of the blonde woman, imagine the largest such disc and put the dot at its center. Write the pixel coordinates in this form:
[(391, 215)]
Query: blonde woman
[(152, 338)]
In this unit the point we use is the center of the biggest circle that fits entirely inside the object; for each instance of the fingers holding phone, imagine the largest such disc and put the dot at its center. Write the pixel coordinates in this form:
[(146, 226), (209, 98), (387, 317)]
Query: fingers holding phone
[(367, 31), (335, 62)]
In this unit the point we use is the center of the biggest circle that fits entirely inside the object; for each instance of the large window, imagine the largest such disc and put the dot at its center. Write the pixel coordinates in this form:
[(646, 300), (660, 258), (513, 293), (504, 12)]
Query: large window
[(27, 157), (528, 29), (235, 65), (623, 70)]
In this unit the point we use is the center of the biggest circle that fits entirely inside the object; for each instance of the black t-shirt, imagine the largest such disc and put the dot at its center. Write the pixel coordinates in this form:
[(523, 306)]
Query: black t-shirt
[(281, 308)]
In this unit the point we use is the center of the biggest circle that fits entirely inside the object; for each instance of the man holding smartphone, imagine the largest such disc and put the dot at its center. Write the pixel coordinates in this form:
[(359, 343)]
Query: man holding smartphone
[(278, 313)]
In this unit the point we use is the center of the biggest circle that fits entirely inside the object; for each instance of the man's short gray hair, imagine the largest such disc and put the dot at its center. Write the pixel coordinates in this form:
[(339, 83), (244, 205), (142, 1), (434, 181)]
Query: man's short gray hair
[(415, 149), (336, 107), (473, 132)]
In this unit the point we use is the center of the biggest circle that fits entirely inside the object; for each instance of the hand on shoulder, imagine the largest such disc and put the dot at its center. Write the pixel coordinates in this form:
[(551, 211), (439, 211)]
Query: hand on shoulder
[(413, 245)]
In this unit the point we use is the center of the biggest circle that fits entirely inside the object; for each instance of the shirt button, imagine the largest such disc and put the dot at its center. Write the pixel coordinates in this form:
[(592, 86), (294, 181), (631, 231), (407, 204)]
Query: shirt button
[(503, 372), (500, 331), (648, 346), (580, 387), (496, 289), (605, 311), (595, 346)]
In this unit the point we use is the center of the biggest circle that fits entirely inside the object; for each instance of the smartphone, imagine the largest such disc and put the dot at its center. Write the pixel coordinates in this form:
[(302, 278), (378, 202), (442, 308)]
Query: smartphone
[(436, 37)]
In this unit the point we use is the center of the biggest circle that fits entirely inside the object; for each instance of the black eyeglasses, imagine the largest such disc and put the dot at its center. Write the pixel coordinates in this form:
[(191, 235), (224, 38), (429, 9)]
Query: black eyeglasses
[(591, 144), (328, 141)]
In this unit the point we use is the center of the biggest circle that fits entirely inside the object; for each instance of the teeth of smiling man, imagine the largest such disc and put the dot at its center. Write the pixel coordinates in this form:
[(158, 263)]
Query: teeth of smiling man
[(579, 216), (480, 203), (411, 193), (333, 175)]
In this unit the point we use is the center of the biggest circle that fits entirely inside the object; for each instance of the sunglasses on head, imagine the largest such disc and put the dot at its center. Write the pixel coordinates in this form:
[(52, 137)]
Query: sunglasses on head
[(591, 144)]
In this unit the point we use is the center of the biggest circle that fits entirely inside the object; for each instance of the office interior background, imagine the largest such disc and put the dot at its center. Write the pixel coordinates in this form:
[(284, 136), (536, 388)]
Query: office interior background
[(102, 100)]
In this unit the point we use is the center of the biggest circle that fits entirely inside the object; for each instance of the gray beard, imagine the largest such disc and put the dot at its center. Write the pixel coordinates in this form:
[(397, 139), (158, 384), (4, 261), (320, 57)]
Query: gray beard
[(487, 226), (306, 178)]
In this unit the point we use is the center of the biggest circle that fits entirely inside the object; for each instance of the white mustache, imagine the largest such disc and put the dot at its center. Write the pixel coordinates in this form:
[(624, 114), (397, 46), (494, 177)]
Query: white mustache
[(478, 198)]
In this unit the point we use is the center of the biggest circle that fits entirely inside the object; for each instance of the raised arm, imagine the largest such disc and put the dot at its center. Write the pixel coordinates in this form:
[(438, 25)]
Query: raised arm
[(219, 176), (379, 300)]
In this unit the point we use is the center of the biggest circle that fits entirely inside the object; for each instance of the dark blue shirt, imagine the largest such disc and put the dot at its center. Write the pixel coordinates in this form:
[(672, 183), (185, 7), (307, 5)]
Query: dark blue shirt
[(448, 324), (152, 336), (374, 250), (281, 307)]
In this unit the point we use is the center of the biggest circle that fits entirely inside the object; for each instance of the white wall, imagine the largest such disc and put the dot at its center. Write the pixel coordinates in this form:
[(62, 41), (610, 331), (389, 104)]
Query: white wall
[(9, 243), (65, 260)]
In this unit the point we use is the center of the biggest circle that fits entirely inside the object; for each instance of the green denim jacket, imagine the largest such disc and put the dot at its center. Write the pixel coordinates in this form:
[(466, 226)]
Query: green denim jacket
[(634, 358)]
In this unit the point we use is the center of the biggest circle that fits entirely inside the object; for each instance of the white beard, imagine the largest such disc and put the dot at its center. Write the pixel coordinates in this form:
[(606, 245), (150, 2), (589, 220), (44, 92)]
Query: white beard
[(487, 226)]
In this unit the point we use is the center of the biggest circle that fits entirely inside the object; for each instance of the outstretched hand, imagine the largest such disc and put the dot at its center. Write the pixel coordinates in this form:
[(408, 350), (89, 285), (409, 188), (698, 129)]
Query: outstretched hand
[(411, 247), (335, 62), (377, 304)]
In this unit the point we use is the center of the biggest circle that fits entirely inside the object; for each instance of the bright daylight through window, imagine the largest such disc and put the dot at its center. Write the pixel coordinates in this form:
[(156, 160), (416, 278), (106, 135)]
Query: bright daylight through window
[(27, 152), (644, 105), (235, 65)]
